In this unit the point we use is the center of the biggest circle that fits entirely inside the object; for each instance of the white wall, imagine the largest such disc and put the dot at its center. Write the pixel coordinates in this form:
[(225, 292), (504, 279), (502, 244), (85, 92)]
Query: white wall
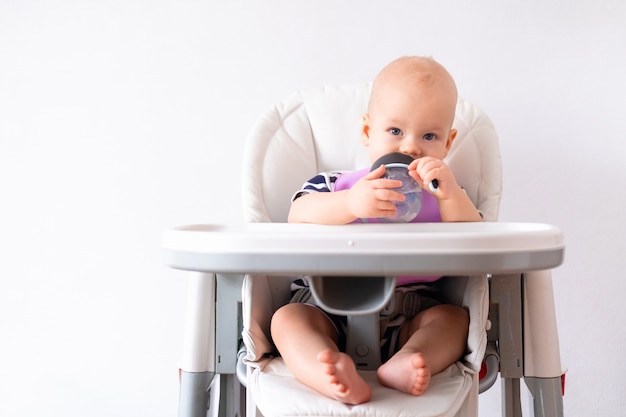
[(121, 118)]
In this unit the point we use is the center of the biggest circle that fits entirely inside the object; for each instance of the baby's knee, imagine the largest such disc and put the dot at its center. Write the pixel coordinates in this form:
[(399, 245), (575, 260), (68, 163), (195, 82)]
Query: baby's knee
[(456, 313), (282, 314), (289, 314), (448, 312), (457, 310)]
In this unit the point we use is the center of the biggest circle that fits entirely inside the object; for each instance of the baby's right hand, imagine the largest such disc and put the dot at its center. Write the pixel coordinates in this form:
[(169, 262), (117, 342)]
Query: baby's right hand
[(373, 196)]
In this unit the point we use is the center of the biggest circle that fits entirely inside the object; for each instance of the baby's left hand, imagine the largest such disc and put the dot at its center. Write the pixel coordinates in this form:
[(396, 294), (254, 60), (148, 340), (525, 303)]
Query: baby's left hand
[(426, 169)]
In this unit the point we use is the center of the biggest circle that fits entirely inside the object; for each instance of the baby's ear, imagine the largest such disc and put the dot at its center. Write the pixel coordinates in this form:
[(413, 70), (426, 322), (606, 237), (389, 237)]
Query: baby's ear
[(365, 129), (451, 138)]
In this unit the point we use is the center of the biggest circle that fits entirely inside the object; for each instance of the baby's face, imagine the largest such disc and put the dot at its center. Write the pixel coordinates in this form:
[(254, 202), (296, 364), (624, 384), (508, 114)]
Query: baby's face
[(415, 121)]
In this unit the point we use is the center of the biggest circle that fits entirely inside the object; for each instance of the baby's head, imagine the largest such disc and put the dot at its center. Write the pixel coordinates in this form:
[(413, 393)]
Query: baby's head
[(413, 74), (411, 109)]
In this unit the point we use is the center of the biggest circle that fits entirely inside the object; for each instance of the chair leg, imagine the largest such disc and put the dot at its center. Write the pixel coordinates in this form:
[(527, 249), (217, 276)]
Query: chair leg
[(206, 394), (198, 366), (506, 317), (542, 360), (231, 402), (199, 337), (511, 403), (547, 397), (194, 394)]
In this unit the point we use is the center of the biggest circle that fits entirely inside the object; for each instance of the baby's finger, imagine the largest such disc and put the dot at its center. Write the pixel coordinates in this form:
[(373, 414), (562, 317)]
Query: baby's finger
[(376, 173), (390, 195), (385, 183)]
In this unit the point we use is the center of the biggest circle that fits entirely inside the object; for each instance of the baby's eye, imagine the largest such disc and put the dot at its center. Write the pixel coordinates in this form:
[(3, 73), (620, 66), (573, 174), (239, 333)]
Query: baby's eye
[(429, 136), (395, 131)]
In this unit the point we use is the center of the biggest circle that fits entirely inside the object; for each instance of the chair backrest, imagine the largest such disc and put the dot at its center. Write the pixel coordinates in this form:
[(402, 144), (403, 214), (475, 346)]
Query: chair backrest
[(319, 130)]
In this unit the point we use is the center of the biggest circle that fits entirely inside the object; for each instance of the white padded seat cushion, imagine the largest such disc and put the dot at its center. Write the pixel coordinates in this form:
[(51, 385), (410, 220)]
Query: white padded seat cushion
[(278, 394)]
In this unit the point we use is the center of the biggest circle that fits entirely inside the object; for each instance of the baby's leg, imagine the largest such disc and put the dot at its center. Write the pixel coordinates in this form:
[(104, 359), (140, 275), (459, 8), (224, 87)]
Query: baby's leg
[(307, 342), (436, 339)]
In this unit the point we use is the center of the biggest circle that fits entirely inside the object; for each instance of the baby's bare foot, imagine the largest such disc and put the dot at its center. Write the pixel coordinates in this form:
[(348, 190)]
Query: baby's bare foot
[(344, 382), (406, 372)]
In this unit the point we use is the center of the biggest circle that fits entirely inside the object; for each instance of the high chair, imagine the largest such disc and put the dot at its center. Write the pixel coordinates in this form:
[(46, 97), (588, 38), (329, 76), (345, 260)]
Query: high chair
[(498, 271)]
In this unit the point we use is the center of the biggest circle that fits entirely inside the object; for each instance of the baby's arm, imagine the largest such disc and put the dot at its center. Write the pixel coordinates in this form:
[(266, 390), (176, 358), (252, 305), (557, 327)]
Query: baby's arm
[(454, 204), (370, 197)]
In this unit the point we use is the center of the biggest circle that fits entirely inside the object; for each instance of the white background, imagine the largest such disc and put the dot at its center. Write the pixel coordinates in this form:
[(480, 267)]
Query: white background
[(122, 118)]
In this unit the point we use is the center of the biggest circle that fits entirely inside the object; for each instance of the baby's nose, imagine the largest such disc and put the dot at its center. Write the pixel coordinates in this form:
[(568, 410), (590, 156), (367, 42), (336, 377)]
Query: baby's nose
[(411, 150)]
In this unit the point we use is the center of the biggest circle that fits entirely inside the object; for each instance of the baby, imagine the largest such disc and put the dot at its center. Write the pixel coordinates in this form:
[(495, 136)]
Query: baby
[(411, 110)]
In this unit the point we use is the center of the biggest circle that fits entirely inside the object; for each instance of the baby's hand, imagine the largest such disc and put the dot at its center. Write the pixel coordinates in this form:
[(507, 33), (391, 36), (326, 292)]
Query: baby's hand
[(424, 170), (373, 196)]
